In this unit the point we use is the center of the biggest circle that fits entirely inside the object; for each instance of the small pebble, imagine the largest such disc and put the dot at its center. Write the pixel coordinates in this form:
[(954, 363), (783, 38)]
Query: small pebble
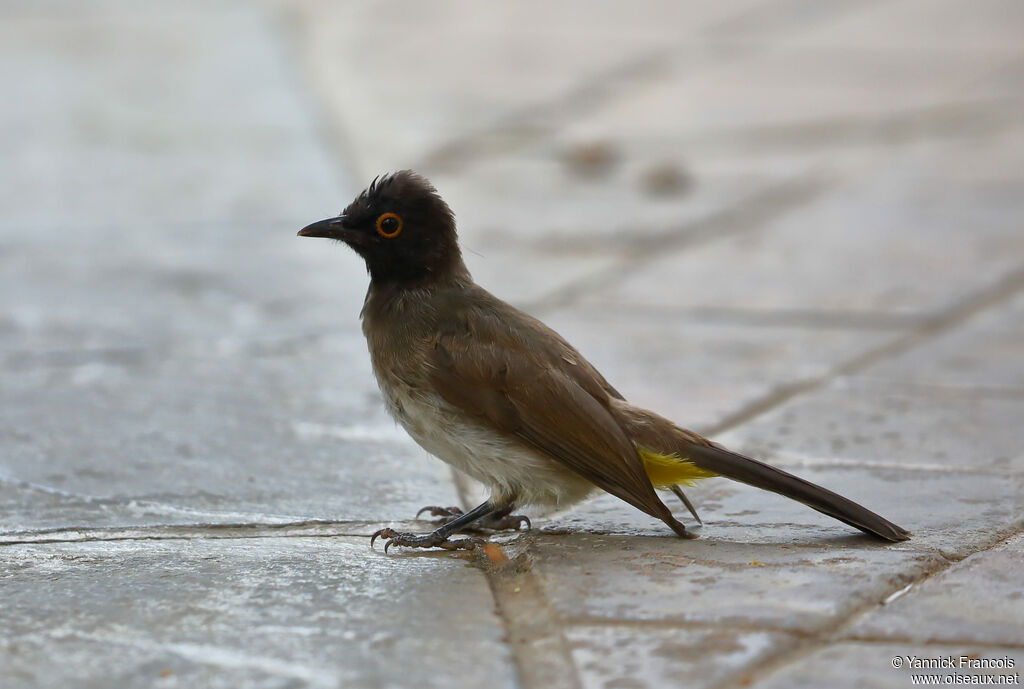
[(665, 179), (590, 159)]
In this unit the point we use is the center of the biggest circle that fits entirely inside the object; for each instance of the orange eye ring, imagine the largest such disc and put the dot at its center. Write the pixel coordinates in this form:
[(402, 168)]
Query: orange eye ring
[(386, 229)]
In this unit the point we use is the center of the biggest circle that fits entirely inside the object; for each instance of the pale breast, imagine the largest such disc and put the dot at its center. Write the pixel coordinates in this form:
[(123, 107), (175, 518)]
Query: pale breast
[(513, 472)]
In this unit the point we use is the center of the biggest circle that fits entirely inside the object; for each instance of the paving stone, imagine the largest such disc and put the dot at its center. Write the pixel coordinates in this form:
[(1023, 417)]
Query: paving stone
[(124, 193), (33, 509), (633, 658), (271, 612), (883, 243), (871, 665), (114, 294), (593, 577), (952, 513), (859, 421), (984, 354), (976, 601), (137, 116), (300, 432)]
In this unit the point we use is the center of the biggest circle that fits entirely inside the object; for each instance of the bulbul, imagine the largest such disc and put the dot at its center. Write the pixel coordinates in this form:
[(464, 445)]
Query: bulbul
[(502, 397)]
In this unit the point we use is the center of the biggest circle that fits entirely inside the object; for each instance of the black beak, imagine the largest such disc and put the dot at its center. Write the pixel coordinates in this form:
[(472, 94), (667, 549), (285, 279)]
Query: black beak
[(332, 228)]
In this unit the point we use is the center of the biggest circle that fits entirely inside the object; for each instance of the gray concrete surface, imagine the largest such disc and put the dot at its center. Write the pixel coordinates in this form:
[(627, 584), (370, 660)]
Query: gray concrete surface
[(795, 224)]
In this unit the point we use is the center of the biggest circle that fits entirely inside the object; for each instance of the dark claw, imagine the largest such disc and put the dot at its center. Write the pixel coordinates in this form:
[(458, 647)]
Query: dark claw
[(384, 533)]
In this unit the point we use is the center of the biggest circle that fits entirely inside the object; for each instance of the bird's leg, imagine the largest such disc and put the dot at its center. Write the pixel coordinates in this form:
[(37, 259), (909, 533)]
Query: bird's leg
[(501, 520), (438, 538), (686, 501)]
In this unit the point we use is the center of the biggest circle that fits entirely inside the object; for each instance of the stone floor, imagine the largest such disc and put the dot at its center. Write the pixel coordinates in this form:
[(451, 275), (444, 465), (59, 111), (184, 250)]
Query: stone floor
[(797, 225)]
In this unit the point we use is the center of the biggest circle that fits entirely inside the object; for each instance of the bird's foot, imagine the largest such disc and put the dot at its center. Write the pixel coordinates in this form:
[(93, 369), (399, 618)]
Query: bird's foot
[(446, 513), (430, 540), (499, 521), (505, 522)]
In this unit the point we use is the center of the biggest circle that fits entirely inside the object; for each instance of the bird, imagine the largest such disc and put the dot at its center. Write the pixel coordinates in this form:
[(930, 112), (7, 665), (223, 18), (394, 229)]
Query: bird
[(505, 399)]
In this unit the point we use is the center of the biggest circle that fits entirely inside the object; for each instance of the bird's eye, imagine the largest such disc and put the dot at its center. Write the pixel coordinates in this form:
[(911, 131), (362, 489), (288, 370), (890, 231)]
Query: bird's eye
[(389, 225)]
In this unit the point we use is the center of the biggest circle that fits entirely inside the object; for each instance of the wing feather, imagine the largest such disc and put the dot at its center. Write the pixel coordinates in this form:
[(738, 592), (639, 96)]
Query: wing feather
[(520, 391)]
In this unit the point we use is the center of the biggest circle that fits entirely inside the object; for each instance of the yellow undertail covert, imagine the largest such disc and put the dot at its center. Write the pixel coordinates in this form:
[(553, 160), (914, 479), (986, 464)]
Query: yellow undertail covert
[(670, 470)]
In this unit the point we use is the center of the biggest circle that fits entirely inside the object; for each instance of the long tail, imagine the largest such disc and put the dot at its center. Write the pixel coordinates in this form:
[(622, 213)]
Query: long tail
[(760, 475), (670, 442)]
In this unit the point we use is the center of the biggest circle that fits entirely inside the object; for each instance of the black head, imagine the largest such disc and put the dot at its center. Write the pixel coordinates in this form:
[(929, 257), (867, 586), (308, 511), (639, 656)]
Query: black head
[(401, 227)]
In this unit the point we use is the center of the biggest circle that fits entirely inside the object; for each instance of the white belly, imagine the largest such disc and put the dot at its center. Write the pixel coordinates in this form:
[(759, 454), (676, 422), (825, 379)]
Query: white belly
[(514, 473)]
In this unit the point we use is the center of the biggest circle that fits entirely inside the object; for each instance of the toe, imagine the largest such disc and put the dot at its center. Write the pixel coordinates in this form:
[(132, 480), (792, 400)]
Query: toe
[(470, 543), (382, 533), (436, 511)]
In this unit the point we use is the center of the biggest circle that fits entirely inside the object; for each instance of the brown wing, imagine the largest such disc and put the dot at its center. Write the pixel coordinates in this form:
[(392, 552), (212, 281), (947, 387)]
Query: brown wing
[(496, 367)]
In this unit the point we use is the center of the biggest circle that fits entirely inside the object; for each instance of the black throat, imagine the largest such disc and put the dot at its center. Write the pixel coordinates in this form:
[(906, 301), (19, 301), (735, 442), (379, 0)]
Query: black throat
[(396, 272)]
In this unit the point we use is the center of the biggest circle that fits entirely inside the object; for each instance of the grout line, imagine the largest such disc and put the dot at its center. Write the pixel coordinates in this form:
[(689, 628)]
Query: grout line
[(315, 528), (841, 627), (801, 634), (744, 217), (534, 633), (811, 12), (663, 624), (1003, 290), (176, 537), (837, 542), (545, 120), (152, 505), (796, 635), (539, 121), (968, 119), (969, 643), (164, 348)]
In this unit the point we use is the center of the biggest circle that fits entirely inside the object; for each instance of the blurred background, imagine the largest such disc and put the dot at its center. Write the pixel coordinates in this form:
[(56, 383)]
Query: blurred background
[(720, 204)]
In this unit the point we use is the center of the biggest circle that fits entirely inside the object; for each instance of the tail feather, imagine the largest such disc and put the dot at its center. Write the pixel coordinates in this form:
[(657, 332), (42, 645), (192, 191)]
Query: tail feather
[(660, 441), (720, 461)]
